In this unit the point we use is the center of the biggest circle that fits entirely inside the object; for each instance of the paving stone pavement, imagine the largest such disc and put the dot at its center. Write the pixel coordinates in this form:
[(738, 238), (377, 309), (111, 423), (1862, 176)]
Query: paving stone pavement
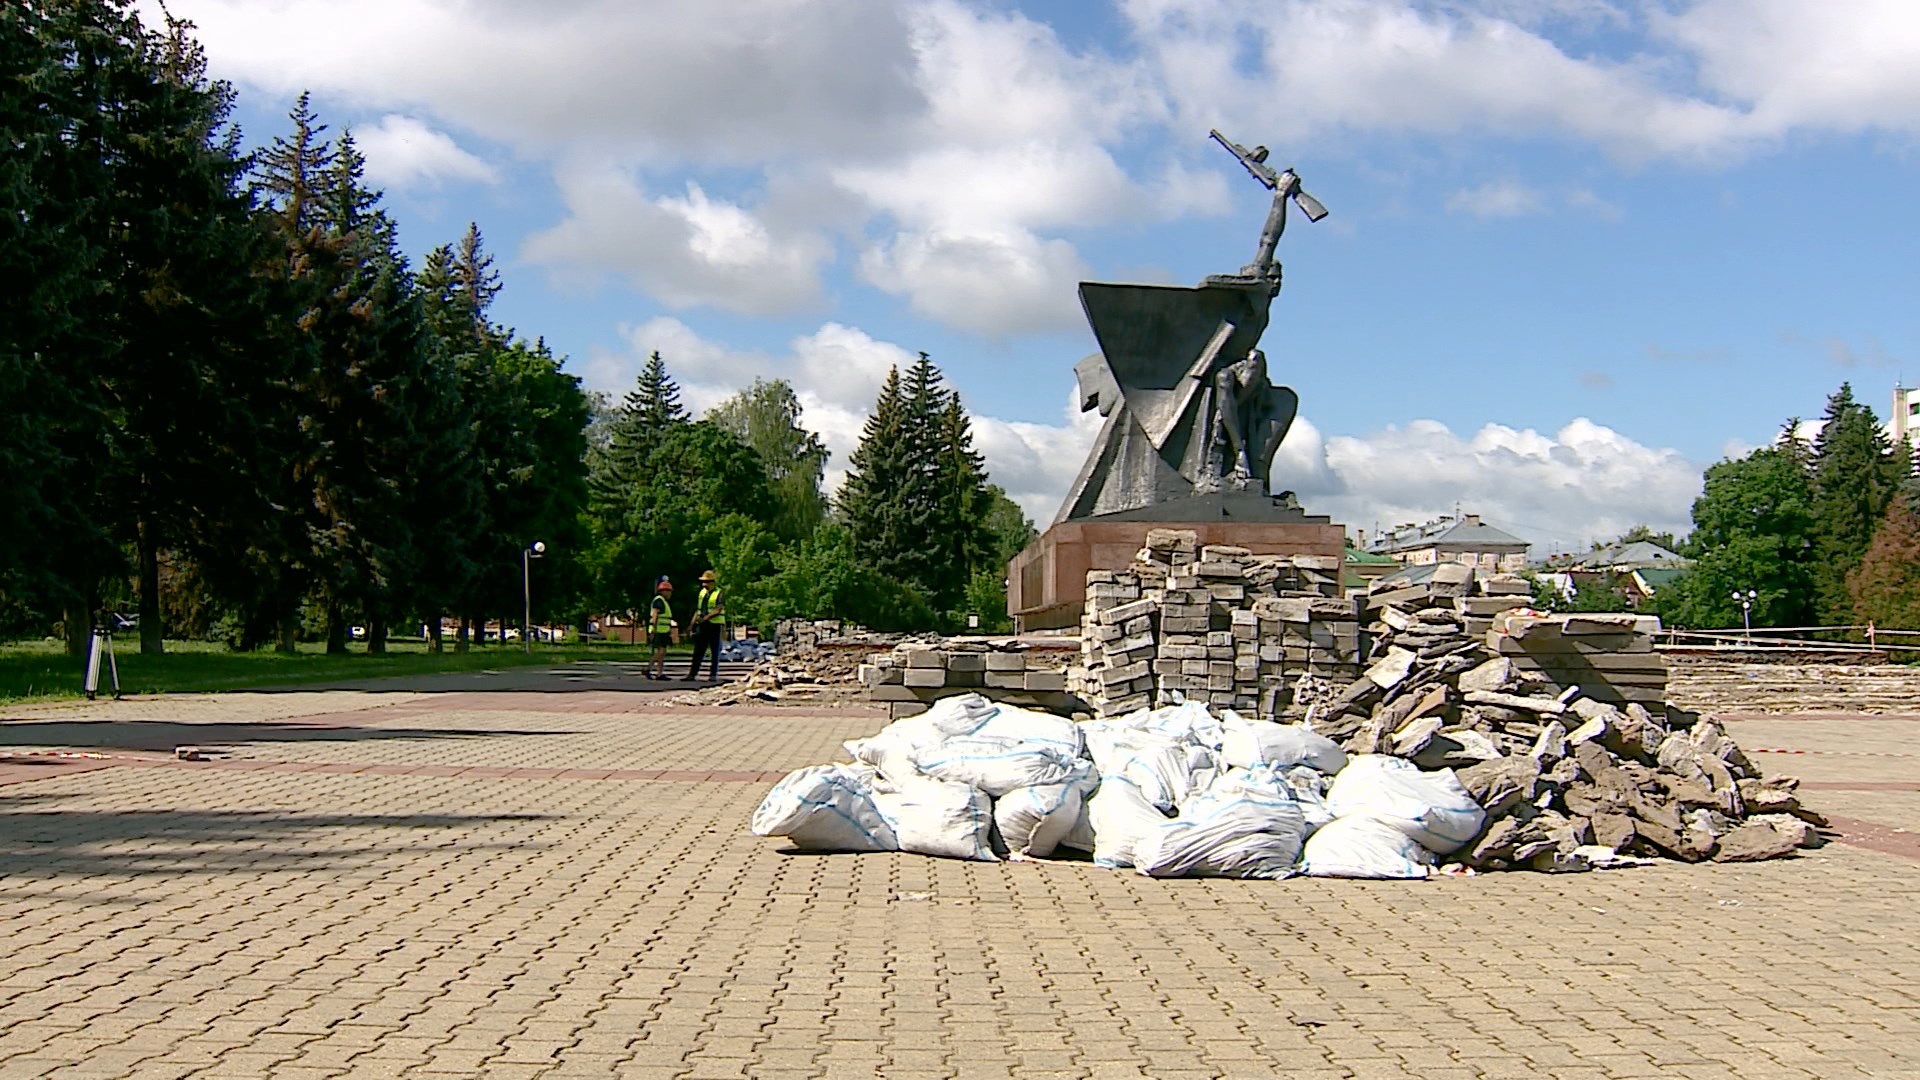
[(562, 885)]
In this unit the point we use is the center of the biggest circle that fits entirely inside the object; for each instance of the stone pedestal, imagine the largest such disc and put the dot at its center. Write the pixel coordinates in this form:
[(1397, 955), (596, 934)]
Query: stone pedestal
[(1047, 583)]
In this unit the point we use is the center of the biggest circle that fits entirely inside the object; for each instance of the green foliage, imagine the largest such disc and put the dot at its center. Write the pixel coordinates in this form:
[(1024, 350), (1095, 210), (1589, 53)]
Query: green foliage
[(766, 417), (1886, 585), (987, 598), (822, 578), (1752, 529), (672, 518), (1855, 473)]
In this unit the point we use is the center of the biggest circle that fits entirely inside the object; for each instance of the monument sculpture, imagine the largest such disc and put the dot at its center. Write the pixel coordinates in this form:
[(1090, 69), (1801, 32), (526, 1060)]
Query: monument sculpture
[(1190, 409), (1192, 420)]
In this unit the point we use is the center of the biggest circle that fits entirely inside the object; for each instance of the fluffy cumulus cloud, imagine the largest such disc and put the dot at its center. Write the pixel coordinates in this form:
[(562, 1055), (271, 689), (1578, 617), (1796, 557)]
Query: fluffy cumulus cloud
[(404, 152), (947, 150), (685, 249), (1583, 482), (1760, 69)]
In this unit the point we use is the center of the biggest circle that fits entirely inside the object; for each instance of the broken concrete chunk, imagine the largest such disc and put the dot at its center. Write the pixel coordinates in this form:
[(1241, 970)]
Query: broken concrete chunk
[(1754, 842), (1495, 676), (1392, 669), (1544, 706), (1501, 784)]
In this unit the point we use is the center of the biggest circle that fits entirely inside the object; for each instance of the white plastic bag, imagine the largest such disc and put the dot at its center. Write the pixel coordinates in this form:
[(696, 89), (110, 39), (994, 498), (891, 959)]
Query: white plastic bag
[(933, 817), (826, 808), (1037, 820), (995, 766), (1246, 743), (1120, 816), (892, 749), (1028, 726), (1309, 788), (1432, 807), (1364, 847), (1246, 825), (1160, 771)]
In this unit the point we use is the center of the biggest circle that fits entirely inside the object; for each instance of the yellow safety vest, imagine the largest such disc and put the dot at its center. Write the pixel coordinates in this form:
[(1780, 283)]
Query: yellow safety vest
[(662, 616), (707, 597)]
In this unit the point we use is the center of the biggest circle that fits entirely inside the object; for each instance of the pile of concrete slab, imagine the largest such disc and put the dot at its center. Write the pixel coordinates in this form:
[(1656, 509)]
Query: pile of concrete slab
[(1567, 749), (1025, 672), (1213, 624)]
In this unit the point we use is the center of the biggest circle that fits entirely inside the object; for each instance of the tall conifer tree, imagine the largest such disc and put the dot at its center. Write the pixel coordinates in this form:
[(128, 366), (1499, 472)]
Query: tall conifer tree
[(1855, 473)]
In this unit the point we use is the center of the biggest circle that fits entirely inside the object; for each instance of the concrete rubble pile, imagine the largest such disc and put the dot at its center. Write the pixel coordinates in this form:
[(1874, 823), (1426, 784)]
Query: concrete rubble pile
[(1024, 672), (817, 661), (1213, 624), (1557, 726)]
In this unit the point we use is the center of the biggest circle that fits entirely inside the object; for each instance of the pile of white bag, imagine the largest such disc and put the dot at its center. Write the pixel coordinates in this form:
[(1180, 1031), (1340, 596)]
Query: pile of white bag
[(1177, 791)]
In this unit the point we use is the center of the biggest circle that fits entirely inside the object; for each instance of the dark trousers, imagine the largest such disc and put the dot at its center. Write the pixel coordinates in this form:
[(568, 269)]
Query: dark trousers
[(706, 639)]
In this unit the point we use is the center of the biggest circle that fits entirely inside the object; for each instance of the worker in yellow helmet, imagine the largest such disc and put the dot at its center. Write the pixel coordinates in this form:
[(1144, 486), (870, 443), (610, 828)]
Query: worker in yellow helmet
[(708, 620)]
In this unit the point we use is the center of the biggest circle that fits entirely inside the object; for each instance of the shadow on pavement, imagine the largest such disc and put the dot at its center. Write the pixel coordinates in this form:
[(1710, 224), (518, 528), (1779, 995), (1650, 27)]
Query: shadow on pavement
[(579, 676), (41, 842), (164, 735)]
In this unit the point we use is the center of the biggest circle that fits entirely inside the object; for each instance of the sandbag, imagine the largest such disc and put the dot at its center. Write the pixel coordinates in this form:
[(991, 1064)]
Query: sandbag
[(1246, 825), (1160, 770), (892, 749), (826, 808), (1120, 816), (1037, 820), (1246, 743), (933, 817), (1431, 807), (1364, 847), (1309, 788), (1029, 726), (995, 766)]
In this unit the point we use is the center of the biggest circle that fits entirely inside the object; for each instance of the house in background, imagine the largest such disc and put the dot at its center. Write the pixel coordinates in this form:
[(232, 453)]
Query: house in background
[(1463, 539), (1362, 568), (1621, 558)]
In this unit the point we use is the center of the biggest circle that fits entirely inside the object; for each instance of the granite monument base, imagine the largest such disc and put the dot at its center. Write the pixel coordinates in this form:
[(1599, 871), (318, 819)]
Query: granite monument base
[(1047, 582)]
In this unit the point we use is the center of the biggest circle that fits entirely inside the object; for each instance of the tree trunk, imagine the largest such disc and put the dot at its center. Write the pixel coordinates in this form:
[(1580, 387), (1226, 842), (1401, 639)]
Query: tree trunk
[(79, 629), (434, 644), (461, 636), (151, 641), (376, 635), (289, 633), (336, 629)]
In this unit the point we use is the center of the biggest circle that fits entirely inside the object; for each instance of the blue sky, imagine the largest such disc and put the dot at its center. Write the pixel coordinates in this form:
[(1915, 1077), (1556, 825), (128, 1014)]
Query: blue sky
[(1578, 250)]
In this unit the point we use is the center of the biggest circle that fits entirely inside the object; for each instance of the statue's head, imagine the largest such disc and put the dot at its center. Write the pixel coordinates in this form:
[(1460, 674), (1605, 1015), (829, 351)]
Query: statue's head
[(1257, 360)]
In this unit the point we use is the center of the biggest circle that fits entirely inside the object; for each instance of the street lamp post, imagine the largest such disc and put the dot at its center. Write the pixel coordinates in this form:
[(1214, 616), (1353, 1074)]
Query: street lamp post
[(527, 555), (1745, 599)]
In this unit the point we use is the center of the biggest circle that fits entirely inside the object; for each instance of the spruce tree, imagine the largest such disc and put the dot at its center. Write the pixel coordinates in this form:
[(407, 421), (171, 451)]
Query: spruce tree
[(878, 474), (648, 413), (964, 501), (1855, 473)]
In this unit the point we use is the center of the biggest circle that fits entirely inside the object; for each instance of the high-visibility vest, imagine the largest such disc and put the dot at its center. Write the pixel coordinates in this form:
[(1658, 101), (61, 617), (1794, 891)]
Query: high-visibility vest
[(662, 616), (707, 597)]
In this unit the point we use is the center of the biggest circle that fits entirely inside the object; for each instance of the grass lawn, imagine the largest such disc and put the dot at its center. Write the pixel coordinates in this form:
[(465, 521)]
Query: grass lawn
[(42, 670)]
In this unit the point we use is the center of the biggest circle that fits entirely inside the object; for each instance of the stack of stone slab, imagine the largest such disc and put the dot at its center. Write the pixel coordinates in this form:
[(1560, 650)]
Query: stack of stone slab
[(1609, 657), (1024, 672), (1215, 624)]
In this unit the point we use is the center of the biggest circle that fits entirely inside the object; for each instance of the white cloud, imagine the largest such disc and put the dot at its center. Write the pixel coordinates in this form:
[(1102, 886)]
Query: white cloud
[(1496, 198), (992, 282), (1844, 65), (1308, 69), (686, 249), (1585, 200), (403, 152), (1583, 482), (745, 81)]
